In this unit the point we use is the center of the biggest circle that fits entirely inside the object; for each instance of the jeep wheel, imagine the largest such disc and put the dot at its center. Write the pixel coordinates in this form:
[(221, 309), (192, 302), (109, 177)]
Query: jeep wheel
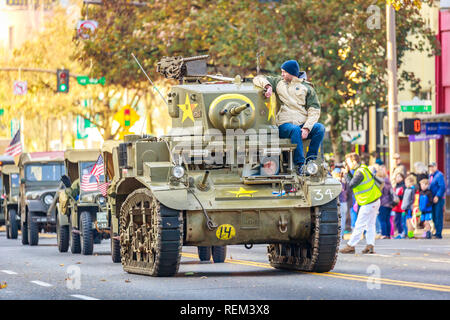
[(24, 229), (75, 243), (7, 229), (204, 253), (219, 254), (115, 250), (12, 228), (62, 235), (33, 230), (87, 234)]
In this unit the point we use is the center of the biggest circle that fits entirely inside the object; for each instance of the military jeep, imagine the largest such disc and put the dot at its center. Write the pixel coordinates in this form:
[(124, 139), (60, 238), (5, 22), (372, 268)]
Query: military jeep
[(40, 174), (4, 160), (110, 159), (10, 202), (82, 215)]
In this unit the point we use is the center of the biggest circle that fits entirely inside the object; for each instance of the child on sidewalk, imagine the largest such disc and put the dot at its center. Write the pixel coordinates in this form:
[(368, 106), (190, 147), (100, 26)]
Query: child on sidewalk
[(407, 205), (426, 206), (399, 189)]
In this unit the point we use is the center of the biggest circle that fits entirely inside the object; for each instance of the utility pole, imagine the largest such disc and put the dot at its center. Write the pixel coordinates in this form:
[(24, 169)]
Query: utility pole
[(392, 84)]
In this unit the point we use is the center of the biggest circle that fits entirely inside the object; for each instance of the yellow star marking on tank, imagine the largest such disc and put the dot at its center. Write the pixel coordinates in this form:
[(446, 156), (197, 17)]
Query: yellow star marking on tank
[(187, 108), (243, 193), (271, 105)]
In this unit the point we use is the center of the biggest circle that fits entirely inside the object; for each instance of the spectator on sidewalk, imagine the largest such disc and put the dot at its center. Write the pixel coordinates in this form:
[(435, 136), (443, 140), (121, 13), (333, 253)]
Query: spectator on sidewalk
[(398, 168), (343, 198), (367, 195), (407, 205), (420, 172), (385, 204), (399, 189), (437, 187), (426, 206)]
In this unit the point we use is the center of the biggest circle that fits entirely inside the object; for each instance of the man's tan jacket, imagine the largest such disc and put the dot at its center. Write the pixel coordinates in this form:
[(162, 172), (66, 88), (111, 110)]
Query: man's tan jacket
[(299, 102)]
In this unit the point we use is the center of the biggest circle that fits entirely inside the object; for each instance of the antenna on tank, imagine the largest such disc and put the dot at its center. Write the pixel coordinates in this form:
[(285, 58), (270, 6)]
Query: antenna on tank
[(162, 97)]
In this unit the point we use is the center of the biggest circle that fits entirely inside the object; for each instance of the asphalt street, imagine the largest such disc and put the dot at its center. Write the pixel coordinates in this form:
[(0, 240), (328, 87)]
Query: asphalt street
[(400, 269)]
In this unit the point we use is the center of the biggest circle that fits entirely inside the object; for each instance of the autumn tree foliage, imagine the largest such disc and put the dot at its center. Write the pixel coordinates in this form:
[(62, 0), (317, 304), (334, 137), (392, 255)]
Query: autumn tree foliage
[(344, 57)]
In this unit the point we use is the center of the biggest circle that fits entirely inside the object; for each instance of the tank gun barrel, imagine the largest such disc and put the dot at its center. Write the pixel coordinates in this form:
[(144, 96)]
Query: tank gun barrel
[(237, 110)]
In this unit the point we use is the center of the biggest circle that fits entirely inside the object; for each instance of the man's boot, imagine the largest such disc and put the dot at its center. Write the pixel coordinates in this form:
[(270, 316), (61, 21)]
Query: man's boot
[(347, 249), (368, 249)]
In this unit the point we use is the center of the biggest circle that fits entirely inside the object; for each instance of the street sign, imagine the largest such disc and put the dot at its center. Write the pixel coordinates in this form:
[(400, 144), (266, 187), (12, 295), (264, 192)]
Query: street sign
[(354, 137), (442, 128), (416, 105), (86, 27), (20, 88), (85, 80)]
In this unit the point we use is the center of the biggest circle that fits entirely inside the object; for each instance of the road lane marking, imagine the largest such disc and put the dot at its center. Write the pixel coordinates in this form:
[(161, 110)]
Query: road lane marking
[(80, 296), (41, 283), (354, 277), (8, 271)]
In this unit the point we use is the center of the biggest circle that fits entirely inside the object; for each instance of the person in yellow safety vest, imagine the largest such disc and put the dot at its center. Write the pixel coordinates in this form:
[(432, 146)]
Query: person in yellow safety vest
[(367, 194)]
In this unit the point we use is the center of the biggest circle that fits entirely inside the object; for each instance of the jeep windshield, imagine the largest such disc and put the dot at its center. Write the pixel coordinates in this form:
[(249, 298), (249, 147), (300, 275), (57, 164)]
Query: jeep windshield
[(15, 183), (49, 172)]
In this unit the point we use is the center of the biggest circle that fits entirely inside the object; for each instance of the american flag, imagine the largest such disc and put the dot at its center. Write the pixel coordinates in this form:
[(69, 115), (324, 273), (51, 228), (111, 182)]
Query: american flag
[(103, 187), (88, 183), (15, 146), (98, 169)]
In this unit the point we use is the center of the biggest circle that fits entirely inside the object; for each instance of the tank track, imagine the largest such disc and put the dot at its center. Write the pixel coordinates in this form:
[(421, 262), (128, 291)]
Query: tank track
[(319, 253), (151, 235)]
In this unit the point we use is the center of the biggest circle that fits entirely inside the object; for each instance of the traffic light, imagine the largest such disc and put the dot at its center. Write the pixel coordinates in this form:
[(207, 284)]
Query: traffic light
[(126, 118), (62, 80), (412, 126)]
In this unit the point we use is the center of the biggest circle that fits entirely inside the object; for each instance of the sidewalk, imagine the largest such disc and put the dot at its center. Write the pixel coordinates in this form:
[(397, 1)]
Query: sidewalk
[(417, 234)]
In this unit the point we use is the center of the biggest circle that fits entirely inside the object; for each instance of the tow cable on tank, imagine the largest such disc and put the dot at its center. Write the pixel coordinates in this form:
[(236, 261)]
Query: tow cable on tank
[(209, 223)]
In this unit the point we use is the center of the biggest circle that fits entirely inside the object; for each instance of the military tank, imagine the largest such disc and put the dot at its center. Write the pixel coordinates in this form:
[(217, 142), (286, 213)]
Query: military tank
[(221, 177)]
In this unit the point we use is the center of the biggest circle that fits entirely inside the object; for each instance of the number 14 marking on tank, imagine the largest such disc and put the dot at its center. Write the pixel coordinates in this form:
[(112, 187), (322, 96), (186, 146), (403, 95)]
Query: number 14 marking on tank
[(225, 232)]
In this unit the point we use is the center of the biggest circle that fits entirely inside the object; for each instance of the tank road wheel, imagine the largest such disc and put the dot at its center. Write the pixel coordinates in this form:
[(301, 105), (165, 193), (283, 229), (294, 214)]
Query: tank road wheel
[(75, 242), (62, 235), (115, 250), (13, 227), (319, 253), (87, 234), (204, 253), (219, 254), (33, 230), (151, 235)]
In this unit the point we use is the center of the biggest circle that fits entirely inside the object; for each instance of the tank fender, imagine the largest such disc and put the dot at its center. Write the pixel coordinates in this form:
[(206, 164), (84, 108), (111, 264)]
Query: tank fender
[(321, 194), (172, 197)]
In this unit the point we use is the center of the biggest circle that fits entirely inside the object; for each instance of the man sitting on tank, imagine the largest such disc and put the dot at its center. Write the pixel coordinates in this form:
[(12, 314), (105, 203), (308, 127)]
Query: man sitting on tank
[(299, 112)]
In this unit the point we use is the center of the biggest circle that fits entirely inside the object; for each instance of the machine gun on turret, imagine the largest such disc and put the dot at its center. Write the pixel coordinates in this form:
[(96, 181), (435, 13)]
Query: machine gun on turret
[(192, 67)]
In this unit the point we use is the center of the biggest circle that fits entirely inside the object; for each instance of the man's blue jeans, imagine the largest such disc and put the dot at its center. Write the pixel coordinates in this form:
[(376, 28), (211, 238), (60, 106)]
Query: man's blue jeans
[(294, 132), (438, 216)]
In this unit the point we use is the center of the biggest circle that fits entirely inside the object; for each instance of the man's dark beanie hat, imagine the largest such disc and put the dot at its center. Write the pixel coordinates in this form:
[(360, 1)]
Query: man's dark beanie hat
[(291, 67)]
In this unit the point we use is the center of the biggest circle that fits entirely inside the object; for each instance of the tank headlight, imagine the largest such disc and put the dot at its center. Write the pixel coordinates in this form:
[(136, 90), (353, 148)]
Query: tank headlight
[(178, 172), (48, 199), (312, 168)]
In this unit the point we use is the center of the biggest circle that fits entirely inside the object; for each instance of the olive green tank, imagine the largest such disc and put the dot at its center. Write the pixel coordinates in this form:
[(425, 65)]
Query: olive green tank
[(220, 177)]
